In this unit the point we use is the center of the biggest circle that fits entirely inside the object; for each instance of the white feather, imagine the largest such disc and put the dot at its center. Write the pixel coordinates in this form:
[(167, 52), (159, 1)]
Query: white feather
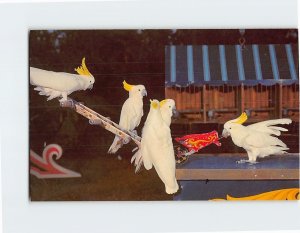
[(55, 84), (157, 150), (131, 115), (267, 126), (166, 111), (259, 139)]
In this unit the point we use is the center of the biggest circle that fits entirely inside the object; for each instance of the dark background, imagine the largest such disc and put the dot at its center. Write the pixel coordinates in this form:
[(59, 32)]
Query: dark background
[(112, 56)]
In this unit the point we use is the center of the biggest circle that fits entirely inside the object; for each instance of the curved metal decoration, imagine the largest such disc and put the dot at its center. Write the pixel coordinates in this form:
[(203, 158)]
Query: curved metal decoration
[(45, 167), (281, 194)]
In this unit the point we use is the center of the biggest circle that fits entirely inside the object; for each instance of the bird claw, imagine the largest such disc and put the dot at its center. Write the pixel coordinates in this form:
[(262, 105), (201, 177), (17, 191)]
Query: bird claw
[(126, 140), (134, 132), (242, 161), (252, 162), (62, 100), (67, 103)]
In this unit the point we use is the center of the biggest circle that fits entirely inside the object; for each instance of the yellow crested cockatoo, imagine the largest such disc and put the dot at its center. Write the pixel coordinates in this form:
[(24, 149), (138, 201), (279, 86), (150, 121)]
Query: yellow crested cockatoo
[(259, 139), (168, 110), (131, 113), (56, 84), (157, 148)]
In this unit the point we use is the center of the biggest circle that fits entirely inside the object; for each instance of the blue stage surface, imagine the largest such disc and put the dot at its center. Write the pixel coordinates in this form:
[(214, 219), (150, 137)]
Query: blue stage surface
[(213, 176), (228, 161), (208, 190)]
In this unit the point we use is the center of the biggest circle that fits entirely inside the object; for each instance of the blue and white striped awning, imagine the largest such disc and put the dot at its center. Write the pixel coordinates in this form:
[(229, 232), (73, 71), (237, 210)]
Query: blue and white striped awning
[(232, 65)]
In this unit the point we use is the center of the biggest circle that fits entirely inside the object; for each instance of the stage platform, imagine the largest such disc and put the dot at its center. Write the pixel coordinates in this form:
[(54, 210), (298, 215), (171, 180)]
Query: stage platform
[(210, 176)]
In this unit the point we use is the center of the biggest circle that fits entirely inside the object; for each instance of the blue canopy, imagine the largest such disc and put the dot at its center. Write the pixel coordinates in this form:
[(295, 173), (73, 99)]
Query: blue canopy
[(231, 64)]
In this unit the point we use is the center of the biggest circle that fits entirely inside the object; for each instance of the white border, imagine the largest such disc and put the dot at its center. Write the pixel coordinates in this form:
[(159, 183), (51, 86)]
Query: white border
[(19, 215)]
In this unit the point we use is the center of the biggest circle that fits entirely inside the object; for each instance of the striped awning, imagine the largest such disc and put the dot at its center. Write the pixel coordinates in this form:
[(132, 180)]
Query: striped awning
[(266, 64)]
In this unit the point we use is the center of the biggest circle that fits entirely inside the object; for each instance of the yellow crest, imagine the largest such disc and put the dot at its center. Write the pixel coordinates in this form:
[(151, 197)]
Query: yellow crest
[(154, 104), (161, 103), (127, 86), (83, 70), (241, 119)]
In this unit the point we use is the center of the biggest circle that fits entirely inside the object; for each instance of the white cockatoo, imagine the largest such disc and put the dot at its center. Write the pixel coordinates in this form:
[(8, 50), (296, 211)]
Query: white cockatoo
[(56, 84), (131, 113), (259, 139), (156, 147), (168, 110)]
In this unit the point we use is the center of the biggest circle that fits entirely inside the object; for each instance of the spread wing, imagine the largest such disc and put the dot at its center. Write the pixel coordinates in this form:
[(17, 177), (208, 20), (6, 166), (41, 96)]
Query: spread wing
[(268, 126), (261, 140)]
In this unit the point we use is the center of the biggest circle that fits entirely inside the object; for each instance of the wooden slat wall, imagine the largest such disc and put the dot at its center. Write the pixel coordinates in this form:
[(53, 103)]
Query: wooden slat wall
[(262, 101), (290, 101), (257, 97), (221, 98)]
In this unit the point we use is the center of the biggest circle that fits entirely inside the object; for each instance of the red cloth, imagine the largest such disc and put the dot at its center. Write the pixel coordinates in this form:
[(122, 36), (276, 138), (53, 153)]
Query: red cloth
[(198, 141)]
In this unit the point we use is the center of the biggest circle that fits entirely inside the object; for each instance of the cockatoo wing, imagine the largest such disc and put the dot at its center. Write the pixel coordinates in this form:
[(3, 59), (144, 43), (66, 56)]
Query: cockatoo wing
[(148, 146), (59, 81), (261, 140), (165, 167), (157, 150), (130, 118), (146, 155), (268, 126)]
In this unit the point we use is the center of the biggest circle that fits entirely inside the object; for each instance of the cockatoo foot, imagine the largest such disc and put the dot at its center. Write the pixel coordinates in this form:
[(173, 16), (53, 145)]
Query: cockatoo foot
[(134, 132), (62, 100), (126, 140), (252, 162), (246, 161), (242, 161)]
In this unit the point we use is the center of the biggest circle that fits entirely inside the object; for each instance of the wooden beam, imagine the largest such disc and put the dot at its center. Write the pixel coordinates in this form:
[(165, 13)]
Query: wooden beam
[(253, 97), (242, 97), (204, 93), (237, 174), (279, 113)]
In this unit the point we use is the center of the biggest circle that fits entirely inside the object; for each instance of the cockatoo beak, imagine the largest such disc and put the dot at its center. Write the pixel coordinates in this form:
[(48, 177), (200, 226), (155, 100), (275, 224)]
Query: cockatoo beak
[(90, 86), (225, 133), (175, 113), (144, 93)]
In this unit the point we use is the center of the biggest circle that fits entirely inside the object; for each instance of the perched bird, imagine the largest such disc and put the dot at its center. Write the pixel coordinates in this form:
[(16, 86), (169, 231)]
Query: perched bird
[(131, 113), (56, 84), (259, 139), (168, 110), (156, 146)]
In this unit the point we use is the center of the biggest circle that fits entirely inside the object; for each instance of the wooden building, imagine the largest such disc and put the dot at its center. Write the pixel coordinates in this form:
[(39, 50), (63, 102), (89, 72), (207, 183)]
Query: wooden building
[(214, 83)]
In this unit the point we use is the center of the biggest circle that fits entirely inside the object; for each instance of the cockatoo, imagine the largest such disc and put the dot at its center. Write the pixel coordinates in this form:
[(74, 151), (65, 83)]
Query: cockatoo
[(56, 84), (131, 113), (259, 139), (156, 145), (168, 110)]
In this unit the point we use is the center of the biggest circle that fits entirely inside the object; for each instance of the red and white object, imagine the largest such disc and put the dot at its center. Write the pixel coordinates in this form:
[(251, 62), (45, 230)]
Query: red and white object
[(195, 142), (45, 167)]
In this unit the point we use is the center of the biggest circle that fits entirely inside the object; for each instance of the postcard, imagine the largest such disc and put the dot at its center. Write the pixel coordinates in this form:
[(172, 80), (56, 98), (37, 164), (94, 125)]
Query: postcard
[(170, 114)]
